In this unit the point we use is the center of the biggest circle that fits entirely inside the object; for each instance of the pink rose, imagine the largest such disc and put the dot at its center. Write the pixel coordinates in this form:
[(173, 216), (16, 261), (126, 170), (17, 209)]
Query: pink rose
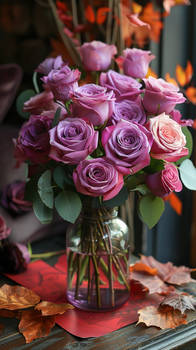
[(176, 115), (161, 96), (93, 103), (50, 63), (168, 139), (4, 230), (98, 177), (97, 56), (62, 82), (136, 62), (123, 86), (72, 140), (165, 181), (127, 145)]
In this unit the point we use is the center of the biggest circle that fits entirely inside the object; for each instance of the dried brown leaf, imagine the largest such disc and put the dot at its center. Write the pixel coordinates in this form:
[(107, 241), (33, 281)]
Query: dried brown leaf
[(9, 313), (33, 325), (180, 301), (17, 297), (163, 318), (48, 308), (153, 283)]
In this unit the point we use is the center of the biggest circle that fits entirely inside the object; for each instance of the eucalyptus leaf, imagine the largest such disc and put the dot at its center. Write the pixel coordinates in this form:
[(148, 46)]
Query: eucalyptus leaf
[(56, 117), (134, 180), (61, 177), (188, 174), (155, 166), (119, 199), (42, 212), (35, 83), (189, 144), (151, 209), (21, 99), (68, 205), (45, 189)]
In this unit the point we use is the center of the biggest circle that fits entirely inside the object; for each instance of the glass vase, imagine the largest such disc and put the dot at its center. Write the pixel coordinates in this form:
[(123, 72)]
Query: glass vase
[(98, 258)]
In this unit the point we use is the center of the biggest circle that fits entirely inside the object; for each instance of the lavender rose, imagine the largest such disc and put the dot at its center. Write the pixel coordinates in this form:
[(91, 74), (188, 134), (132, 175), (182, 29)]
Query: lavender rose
[(136, 62), (98, 177), (72, 140), (164, 182), (4, 230), (50, 63), (128, 110), (33, 140), (12, 198), (124, 87), (161, 96), (97, 56), (168, 139), (93, 103), (128, 145), (62, 82)]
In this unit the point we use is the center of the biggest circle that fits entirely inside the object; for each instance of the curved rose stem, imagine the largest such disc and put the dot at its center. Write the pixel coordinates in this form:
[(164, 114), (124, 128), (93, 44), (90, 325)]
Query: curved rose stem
[(78, 276), (97, 281)]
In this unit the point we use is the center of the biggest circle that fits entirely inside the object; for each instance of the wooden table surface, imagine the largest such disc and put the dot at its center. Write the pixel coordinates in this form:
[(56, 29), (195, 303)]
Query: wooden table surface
[(127, 338)]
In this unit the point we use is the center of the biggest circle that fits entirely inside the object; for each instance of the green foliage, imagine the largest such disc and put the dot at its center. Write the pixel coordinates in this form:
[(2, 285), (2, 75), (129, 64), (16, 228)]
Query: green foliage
[(188, 174), (151, 209), (62, 177), (155, 166), (119, 199), (45, 189), (132, 181), (42, 212), (189, 144), (68, 205), (23, 97), (56, 117)]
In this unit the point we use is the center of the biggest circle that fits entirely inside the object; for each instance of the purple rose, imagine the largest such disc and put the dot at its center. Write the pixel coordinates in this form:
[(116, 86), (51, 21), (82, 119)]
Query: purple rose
[(72, 140), (12, 198), (176, 115), (136, 62), (97, 56), (62, 82), (165, 181), (128, 145), (49, 64), (98, 177), (161, 96), (4, 230), (128, 110), (93, 103), (123, 86), (33, 140)]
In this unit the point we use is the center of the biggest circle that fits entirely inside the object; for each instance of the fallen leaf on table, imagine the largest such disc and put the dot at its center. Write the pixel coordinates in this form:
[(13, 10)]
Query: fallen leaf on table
[(153, 283), (141, 267), (9, 313), (33, 325), (180, 301), (48, 308), (164, 317), (17, 297)]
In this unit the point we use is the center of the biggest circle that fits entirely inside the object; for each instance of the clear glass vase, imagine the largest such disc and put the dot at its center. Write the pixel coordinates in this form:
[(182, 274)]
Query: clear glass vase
[(98, 258)]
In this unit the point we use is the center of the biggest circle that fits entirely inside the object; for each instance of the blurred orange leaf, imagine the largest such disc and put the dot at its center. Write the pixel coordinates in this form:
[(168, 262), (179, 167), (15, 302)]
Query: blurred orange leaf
[(170, 80), (151, 73), (101, 14), (180, 75), (89, 14), (139, 266), (189, 72), (136, 8), (17, 297), (61, 6), (175, 203), (33, 325), (149, 15), (48, 308), (191, 94), (164, 317)]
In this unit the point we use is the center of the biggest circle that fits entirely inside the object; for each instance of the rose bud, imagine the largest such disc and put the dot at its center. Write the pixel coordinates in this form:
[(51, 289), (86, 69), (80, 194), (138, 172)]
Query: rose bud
[(12, 198), (49, 64), (96, 55), (136, 62), (165, 181)]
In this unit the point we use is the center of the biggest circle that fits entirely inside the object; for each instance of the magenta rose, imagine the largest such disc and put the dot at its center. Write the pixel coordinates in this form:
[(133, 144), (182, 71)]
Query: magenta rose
[(128, 110), (128, 145), (62, 82), (165, 181), (161, 96), (96, 55), (72, 140), (12, 198), (33, 140), (98, 177), (49, 64), (136, 62), (123, 86), (93, 103), (4, 230), (168, 139)]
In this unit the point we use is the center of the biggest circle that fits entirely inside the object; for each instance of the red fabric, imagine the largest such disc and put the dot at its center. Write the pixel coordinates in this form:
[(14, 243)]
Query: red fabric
[(50, 284)]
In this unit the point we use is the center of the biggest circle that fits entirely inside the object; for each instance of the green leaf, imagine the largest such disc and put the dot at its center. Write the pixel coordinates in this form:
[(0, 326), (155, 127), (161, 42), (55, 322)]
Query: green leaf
[(119, 199), (23, 97), (134, 180), (61, 177), (189, 144), (42, 212), (188, 174), (68, 205), (143, 189), (151, 209), (45, 189), (155, 166), (31, 189), (35, 83), (56, 117)]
